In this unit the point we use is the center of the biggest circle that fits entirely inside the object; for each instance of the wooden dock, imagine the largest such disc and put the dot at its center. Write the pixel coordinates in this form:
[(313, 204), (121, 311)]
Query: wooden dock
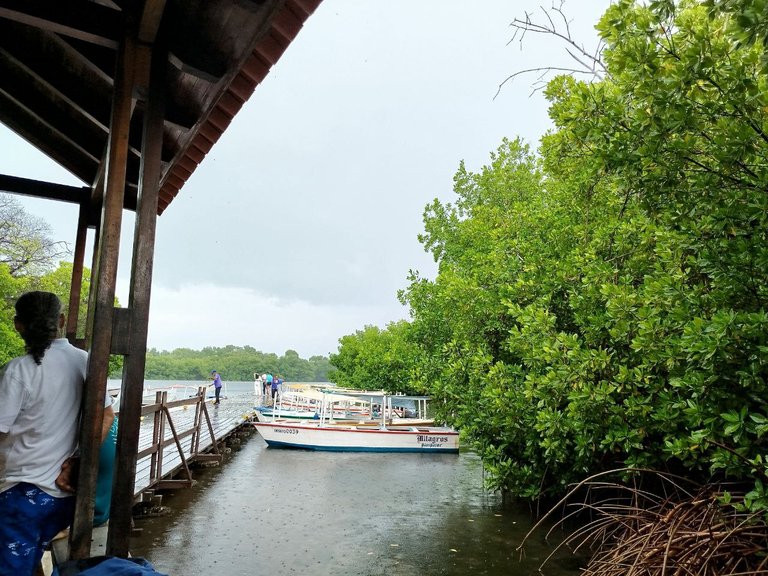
[(177, 433), (173, 435)]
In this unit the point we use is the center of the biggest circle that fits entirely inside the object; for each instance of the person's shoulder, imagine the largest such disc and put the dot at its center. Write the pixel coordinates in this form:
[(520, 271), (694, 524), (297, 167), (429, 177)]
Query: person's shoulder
[(66, 346), (11, 365), (15, 368), (64, 343), (19, 362)]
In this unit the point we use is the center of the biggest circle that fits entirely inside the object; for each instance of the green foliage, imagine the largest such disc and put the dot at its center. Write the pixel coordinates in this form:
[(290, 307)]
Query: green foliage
[(678, 131), (373, 359), (11, 344), (748, 22), (59, 282), (662, 338), (603, 304), (234, 363)]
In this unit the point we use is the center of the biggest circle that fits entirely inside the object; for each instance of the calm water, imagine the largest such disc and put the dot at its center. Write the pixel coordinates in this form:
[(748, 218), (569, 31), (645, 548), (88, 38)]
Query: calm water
[(280, 512)]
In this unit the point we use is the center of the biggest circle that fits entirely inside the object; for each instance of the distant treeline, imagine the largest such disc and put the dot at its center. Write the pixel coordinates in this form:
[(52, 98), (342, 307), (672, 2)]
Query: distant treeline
[(234, 363)]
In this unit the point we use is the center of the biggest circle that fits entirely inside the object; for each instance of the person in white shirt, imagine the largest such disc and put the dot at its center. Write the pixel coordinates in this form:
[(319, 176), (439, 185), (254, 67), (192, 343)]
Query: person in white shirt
[(40, 395)]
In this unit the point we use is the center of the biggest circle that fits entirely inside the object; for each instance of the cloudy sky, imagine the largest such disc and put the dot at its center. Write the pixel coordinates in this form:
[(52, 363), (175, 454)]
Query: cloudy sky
[(301, 224)]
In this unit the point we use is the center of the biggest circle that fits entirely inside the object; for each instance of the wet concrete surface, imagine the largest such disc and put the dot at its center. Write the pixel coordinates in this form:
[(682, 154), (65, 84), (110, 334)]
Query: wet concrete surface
[(283, 512)]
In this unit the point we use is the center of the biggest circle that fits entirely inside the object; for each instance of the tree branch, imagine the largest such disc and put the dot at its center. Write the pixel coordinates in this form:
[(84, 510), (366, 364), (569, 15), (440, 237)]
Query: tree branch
[(590, 63)]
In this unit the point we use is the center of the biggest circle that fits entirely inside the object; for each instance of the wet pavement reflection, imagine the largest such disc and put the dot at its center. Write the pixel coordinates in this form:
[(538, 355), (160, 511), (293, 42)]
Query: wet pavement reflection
[(283, 512)]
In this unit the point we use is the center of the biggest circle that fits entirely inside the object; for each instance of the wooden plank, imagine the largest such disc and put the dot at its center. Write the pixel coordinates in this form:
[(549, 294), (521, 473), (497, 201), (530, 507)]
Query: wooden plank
[(86, 21), (45, 101), (121, 330), (173, 484), (40, 189), (41, 135), (73, 311), (150, 20), (139, 298)]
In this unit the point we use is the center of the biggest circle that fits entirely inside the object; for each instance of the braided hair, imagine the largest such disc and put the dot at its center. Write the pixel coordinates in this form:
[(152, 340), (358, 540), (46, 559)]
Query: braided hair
[(38, 313)]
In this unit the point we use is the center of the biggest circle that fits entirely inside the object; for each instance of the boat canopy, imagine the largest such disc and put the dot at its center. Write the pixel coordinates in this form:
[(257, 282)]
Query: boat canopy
[(327, 396), (377, 396)]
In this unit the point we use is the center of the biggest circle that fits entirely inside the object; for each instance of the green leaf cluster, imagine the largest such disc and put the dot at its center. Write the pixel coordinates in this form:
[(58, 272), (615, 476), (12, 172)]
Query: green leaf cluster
[(377, 359), (601, 302), (11, 344), (748, 21)]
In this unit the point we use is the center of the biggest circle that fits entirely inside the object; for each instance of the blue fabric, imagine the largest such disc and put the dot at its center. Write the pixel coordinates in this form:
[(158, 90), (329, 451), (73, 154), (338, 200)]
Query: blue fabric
[(107, 566), (30, 519)]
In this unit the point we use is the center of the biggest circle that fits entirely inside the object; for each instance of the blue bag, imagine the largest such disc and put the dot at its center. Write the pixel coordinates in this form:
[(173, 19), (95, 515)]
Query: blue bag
[(106, 566)]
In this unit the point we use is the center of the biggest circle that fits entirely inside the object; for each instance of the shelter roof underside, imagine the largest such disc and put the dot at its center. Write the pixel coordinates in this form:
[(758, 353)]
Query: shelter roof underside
[(57, 69)]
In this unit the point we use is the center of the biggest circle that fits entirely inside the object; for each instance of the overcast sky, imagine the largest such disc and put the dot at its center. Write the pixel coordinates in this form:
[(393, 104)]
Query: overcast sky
[(301, 224)]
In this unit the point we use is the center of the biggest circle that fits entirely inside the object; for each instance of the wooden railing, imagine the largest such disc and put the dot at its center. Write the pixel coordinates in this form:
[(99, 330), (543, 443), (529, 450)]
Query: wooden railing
[(158, 449)]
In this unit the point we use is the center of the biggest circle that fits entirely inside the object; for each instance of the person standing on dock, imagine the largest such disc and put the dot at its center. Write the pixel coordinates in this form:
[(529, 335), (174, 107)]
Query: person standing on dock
[(40, 397), (276, 382), (269, 381), (216, 386)]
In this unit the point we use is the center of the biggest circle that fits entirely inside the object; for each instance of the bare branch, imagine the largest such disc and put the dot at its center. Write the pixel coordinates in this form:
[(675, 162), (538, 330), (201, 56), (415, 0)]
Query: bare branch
[(551, 24), (572, 55), (25, 243), (566, 22), (590, 62), (545, 70)]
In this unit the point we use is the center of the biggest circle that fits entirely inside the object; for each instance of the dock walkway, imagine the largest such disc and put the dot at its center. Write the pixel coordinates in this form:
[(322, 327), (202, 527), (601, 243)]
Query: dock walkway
[(185, 427)]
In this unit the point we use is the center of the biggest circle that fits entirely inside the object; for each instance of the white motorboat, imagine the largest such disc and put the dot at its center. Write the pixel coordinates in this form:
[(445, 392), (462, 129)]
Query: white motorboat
[(329, 434)]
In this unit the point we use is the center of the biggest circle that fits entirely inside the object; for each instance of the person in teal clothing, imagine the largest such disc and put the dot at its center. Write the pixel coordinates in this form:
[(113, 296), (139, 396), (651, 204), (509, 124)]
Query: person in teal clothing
[(269, 380), (103, 496)]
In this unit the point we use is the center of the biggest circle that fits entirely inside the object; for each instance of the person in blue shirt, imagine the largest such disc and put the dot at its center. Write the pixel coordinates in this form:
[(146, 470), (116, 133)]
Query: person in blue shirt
[(216, 385), (276, 382)]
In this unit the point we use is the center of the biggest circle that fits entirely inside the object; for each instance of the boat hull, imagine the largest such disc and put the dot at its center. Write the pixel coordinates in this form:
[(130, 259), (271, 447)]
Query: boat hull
[(358, 439)]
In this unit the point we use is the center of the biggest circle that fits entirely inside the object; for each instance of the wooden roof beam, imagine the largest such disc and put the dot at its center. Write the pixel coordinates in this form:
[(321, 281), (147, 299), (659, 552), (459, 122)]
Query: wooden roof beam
[(45, 102), (150, 20), (180, 120), (206, 68), (53, 91), (47, 190), (62, 65), (85, 21), (43, 136), (250, 5)]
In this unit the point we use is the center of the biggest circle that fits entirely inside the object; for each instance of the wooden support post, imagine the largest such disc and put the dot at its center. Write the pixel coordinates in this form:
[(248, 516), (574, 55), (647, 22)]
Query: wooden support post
[(139, 299), (103, 309), (97, 215), (158, 436), (194, 444), (77, 274)]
